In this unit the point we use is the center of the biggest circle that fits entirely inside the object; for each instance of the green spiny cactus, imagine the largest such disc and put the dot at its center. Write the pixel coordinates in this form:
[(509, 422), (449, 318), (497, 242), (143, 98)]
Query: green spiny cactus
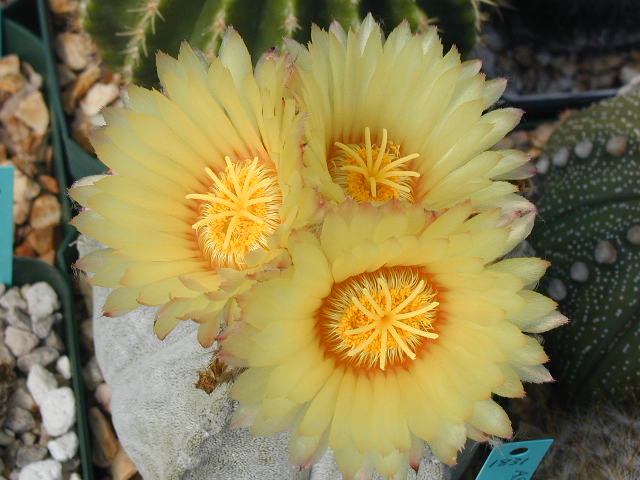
[(129, 32), (589, 228)]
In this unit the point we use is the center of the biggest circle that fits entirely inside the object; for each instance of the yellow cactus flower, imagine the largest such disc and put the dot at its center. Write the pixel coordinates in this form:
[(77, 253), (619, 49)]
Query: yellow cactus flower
[(206, 190), (397, 119), (393, 327)]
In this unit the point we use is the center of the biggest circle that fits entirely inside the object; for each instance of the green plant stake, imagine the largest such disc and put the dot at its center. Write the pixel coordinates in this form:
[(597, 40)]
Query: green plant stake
[(589, 228), (130, 32)]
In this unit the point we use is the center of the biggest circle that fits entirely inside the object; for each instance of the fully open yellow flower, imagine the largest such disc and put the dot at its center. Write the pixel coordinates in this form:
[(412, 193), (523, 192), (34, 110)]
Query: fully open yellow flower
[(397, 119), (206, 190), (394, 327)]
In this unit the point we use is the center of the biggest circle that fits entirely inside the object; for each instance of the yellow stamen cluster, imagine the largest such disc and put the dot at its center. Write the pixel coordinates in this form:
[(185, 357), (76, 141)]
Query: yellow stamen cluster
[(371, 172), (239, 213), (380, 317)]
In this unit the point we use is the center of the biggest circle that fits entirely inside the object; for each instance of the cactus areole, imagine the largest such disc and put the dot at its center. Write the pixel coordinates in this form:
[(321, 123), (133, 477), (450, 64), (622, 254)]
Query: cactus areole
[(129, 32), (589, 228)]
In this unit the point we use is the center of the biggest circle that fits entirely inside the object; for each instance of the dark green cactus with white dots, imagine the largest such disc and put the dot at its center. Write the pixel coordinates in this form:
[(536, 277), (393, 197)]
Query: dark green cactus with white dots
[(589, 228), (129, 32)]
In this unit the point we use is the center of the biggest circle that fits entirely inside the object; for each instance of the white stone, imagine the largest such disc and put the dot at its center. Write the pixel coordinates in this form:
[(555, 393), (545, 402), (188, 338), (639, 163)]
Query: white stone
[(583, 148), (63, 367), (58, 410), (579, 272), (557, 289), (42, 299), (40, 381), (64, 448), (170, 429), (633, 235), (44, 470), (13, 299), (605, 252), (75, 476), (561, 157), (19, 341), (542, 165)]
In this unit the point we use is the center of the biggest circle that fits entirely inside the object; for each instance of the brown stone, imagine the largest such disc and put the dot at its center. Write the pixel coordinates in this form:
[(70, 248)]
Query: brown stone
[(45, 212), (49, 257), (49, 183), (24, 250), (42, 240), (99, 96), (12, 82), (80, 129), (65, 75), (106, 444), (21, 212), (35, 79), (63, 7), (24, 188), (83, 82), (9, 64), (33, 111), (123, 467), (74, 49)]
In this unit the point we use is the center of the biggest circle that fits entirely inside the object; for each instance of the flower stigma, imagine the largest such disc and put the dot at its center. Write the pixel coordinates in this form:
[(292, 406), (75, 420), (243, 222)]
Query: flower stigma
[(371, 172), (380, 317), (238, 213)]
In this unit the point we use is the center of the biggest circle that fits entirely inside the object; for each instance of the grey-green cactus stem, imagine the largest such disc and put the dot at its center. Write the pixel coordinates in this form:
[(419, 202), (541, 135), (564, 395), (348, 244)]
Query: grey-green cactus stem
[(129, 32), (589, 224)]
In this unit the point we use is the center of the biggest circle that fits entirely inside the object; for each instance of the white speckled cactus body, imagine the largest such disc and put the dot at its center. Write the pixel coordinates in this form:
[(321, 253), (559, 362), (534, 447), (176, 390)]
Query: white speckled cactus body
[(589, 228)]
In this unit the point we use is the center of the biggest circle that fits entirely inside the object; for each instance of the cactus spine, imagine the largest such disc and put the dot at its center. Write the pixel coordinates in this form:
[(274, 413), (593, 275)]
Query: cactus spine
[(129, 32)]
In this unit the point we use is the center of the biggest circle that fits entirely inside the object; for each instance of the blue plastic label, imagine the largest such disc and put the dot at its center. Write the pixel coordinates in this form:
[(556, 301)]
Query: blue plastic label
[(515, 460), (6, 224)]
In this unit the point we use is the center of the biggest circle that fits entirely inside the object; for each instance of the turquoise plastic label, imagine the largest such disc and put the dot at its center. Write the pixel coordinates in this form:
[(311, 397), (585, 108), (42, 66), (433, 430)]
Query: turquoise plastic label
[(515, 460), (6, 224)]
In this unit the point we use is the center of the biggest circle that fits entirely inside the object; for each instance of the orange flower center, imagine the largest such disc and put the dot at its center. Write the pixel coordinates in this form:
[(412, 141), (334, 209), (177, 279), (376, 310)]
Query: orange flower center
[(371, 172), (380, 317), (239, 213)]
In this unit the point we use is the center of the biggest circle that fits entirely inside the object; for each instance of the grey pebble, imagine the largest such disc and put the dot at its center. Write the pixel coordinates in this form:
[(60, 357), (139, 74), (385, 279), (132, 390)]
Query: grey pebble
[(22, 398), (18, 318), (53, 340), (29, 454), (41, 326), (19, 420), (28, 438), (6, 438), (6, 358), (40, 356), (42, 299), (92, 374), (19, 341)]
